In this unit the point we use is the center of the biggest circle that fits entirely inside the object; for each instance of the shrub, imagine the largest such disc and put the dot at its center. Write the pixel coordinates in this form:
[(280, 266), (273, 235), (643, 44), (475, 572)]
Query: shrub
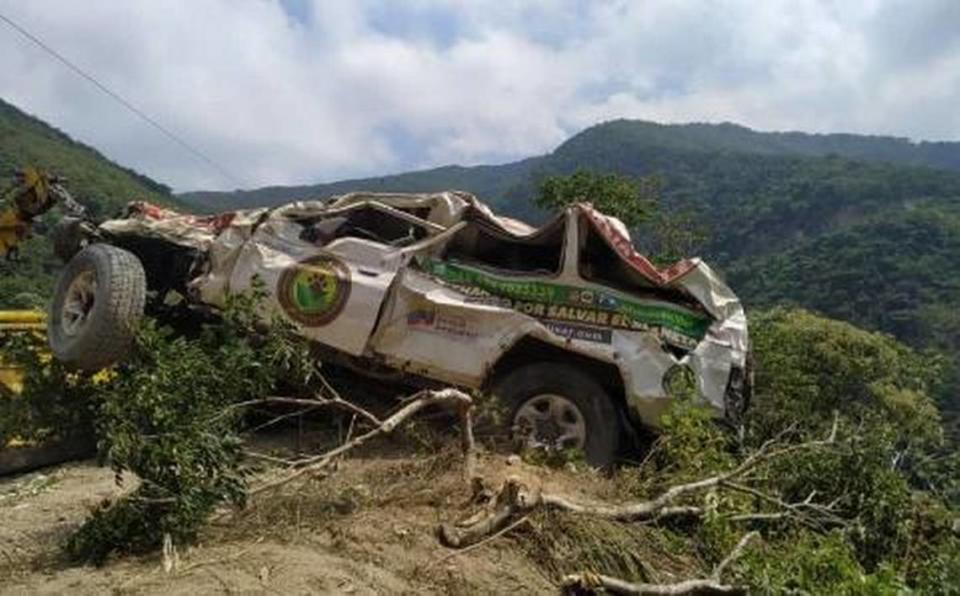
[(809, 369), (54, 403), (171, 417), (893, 527), (813, 564)]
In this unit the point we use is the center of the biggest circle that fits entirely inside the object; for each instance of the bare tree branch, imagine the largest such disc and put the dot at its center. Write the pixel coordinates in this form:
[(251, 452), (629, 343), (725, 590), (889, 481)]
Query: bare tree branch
[(817, 515), (734, 554), (515, 499), (709, 585), (313, 402), (424, 399), (618, 586), (282, 417)]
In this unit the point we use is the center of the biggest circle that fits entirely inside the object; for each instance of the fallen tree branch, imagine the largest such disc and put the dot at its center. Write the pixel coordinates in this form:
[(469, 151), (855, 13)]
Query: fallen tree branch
[(282, 417), (476, 545), (424, 399), (467, 442), (708, 585), (808, 512), (592, 581), (311, 402), (515, 499)]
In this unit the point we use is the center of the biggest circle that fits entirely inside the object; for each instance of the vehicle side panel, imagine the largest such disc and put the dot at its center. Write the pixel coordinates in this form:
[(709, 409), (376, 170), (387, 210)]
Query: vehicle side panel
[(440, 332), (431, 330), (332, 293)]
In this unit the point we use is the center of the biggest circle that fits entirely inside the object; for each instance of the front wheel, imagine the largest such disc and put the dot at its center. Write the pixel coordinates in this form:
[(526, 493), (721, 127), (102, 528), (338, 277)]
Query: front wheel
[(97, 304), (553, 406)]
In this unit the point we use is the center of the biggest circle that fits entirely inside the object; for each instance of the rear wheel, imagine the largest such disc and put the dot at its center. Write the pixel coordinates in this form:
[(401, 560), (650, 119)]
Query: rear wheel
[(97, 304), (554, 406)]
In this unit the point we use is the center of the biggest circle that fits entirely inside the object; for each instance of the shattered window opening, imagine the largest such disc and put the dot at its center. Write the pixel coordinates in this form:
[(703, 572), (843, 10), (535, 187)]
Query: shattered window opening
[(367, 223), (600, 263), (541, 253)]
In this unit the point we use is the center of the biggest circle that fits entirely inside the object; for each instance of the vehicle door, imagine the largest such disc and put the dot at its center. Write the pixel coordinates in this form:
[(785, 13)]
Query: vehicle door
[(329, 273)]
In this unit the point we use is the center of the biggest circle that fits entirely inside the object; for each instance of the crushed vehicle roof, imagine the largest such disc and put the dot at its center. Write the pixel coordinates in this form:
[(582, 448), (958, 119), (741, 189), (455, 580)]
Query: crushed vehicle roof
[(443, 209)]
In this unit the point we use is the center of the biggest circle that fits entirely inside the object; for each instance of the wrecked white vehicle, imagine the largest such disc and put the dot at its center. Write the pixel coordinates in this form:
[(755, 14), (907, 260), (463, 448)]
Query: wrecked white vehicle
[(567, 324)]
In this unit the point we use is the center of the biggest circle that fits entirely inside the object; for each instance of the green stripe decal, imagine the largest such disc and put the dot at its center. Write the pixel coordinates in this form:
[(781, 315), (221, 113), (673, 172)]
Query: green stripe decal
[(552, 301)]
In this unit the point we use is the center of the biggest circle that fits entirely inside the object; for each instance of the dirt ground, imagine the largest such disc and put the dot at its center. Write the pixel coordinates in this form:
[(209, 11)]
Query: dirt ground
[(368, 529)]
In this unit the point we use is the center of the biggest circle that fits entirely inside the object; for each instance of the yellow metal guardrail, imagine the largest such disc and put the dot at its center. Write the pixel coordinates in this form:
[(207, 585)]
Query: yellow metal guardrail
[(22, 320), (11, 377)]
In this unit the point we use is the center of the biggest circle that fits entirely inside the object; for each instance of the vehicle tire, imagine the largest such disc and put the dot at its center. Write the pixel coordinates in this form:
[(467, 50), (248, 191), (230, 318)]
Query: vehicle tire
[(97, 304), (553, 405)]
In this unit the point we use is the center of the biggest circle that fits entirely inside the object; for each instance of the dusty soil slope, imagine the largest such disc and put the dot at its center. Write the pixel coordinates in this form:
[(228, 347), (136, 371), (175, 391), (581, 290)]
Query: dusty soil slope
[(370, 528)]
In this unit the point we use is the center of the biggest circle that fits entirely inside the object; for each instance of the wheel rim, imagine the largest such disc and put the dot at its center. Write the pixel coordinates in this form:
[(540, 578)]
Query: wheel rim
[(550, 421), (78, 304)]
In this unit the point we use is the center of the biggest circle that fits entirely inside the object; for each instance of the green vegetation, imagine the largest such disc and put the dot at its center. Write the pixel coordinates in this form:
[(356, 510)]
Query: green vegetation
[(886, 477), (58, 404), (636, 202), (102, 186), (631, 201), (172, 417), (886, 516)]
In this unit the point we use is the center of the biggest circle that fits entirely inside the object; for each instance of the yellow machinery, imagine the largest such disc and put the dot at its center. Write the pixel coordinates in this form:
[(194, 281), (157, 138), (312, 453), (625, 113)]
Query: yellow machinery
[(18, 456), (17, 321), (34, 193)]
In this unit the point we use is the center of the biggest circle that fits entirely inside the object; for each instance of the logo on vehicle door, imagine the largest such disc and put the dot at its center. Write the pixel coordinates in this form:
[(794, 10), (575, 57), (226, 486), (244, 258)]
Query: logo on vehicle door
[(314, 291)]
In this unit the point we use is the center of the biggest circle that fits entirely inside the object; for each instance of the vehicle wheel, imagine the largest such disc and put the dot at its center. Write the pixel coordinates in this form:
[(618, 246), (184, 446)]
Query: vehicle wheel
[(98, 301), (553, 406)]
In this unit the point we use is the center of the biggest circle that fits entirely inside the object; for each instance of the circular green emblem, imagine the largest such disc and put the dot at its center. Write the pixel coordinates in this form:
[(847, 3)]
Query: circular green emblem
[(314, 291)]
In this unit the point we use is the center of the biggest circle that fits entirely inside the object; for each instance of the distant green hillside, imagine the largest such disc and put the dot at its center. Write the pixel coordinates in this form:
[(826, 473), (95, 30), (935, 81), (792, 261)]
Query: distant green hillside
[(96, 181), (632, 135), (101, 185), (489, 182), (622, 145), (900, 274)]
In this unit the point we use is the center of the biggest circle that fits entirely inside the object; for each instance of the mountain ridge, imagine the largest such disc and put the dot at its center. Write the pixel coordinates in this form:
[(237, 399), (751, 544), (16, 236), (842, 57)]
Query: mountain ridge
[(496, 183), (91, 176)]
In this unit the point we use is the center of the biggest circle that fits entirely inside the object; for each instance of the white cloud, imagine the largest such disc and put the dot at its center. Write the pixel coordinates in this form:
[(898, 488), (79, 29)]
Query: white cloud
[(349, 88)]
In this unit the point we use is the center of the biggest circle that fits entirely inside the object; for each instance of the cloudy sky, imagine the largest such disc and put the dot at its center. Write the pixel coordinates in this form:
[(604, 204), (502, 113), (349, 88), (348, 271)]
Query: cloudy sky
[(297, 91)]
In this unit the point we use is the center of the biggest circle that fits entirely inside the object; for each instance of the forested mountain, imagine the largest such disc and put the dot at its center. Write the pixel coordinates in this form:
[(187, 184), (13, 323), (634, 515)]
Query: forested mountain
[(637, 143), (101, 185), (632, 135)]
